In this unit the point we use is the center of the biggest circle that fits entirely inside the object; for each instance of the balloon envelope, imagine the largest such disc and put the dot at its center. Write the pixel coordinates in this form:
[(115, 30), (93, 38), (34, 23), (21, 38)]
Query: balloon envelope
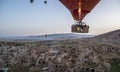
[(72, 6)]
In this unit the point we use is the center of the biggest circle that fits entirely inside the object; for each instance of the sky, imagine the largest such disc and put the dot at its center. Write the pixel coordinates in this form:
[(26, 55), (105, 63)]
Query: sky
[(21, 18)]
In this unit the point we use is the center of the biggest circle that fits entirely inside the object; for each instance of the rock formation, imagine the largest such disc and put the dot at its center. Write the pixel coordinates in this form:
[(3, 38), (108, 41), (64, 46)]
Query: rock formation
[(77, 55)]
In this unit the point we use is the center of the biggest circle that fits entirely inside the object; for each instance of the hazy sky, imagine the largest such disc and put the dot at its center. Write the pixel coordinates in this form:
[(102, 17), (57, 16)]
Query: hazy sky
[(21, 18)]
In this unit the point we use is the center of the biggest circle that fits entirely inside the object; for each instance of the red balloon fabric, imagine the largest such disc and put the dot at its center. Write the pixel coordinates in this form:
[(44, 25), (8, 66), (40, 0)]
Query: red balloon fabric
[(72, 6)]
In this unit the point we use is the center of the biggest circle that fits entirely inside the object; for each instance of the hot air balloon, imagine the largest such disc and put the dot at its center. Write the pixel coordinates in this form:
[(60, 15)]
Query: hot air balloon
[(79, 9), (45, 2), (31, 1)]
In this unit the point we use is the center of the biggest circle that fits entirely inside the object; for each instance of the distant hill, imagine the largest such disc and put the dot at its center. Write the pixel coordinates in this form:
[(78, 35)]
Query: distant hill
[(109, 37), (64, 36), (61, 36)]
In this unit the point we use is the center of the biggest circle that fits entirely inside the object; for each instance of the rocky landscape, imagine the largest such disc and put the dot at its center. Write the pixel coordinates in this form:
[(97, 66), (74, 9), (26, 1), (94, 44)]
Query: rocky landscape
[(97, 54)]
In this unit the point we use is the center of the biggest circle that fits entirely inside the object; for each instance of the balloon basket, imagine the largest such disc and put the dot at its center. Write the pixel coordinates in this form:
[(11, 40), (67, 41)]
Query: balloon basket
[(80, 27)]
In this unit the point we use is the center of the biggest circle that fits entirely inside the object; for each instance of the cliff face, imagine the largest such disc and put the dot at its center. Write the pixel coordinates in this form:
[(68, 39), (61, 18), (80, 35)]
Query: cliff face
[(76, 55), (113, 35), (110, 37)]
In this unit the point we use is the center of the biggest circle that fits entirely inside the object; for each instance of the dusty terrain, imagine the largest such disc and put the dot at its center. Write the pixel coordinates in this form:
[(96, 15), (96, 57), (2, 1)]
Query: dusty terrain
[(98, 54)]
